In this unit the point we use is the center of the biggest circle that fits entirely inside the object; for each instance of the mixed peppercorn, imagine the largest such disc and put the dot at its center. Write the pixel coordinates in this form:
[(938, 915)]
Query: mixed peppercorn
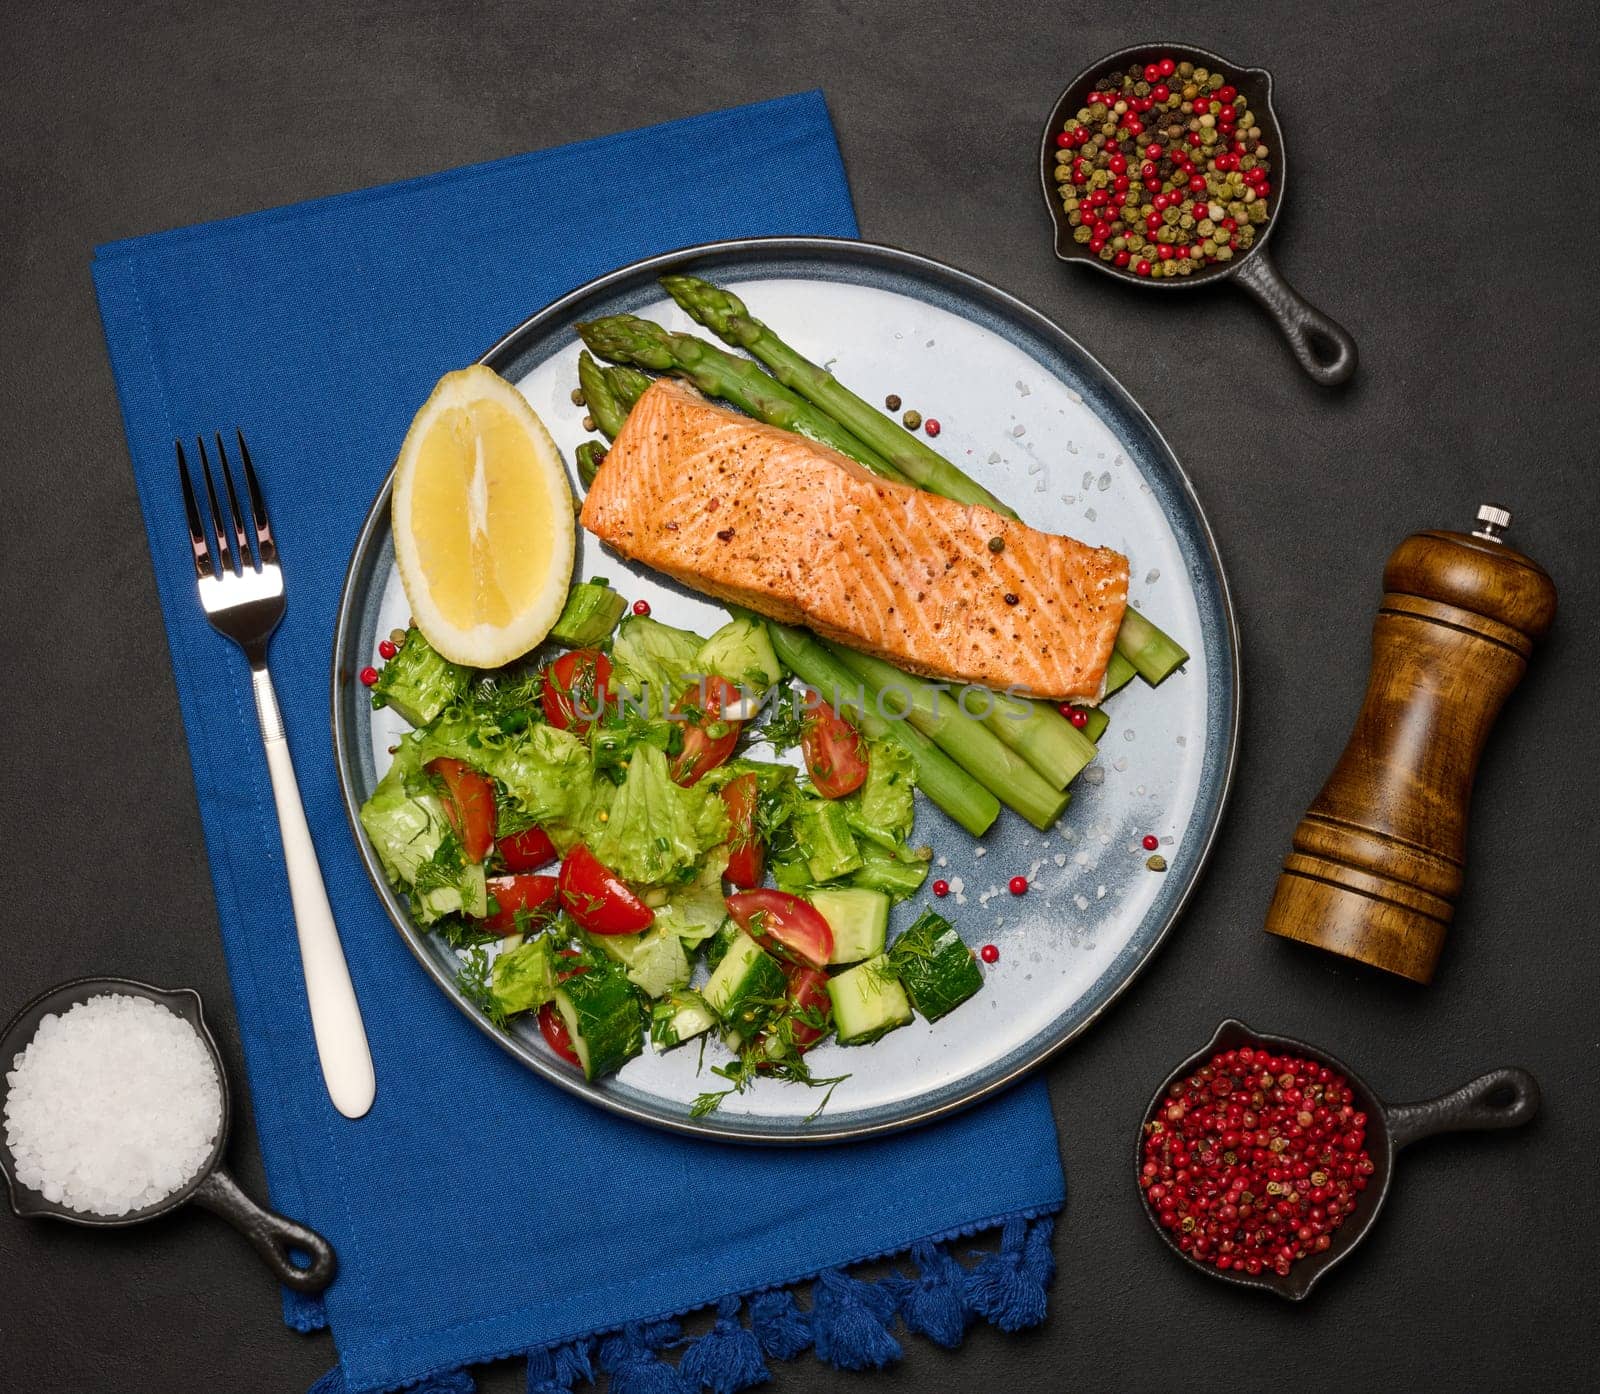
[(387, 649), (913, 418), (1254, 1160), (1163, 171)]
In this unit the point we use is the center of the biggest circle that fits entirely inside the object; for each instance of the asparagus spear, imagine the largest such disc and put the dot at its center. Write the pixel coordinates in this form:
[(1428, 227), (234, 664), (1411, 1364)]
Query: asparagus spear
[(939, 777), (589, 456), (1154, 654), (1119, 673), (608, 413), (627, 384), (640, 343), (1041, 735), (724, 314), (966, 740)]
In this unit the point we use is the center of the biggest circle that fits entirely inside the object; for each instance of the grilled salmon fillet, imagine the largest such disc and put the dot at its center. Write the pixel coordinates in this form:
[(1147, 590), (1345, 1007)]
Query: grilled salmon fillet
[(764, 518)]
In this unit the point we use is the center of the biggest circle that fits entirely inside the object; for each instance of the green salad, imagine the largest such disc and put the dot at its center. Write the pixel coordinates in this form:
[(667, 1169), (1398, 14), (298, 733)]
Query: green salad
[(706, 887)]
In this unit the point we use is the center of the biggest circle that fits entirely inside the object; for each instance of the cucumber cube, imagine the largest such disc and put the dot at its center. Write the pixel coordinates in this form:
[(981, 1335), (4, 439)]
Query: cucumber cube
[(602, 1016), (718, 944), (746, 987), (868, 1002), (524, 977), (938, 970), (590, 614), (858, 918), (679, 1017), (468, 896), (418, 682)]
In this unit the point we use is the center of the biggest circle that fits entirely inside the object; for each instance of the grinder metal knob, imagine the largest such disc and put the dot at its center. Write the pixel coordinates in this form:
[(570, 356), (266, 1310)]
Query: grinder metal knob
[(1492, 522)]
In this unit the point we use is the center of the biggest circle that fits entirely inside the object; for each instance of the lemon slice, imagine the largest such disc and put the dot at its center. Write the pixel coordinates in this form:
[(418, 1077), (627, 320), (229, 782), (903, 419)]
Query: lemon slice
[(483, 528)]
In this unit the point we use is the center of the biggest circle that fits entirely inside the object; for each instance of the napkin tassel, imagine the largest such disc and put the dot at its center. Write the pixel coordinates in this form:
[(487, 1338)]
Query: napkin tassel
[(632, 1359), (850, 1320), (1007, 1288), (555, 1369), (932, 1304), (779, 1324), (727, 1358), (850, 1324)]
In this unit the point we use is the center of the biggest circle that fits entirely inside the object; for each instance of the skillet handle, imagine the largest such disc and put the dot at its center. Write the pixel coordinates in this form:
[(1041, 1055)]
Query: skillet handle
[(1321, 344), (272, 1235), (1505, 1098)]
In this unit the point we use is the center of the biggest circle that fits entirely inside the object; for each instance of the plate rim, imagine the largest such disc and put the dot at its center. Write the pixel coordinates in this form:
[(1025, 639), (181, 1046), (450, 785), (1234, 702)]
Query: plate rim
[(755, 250)]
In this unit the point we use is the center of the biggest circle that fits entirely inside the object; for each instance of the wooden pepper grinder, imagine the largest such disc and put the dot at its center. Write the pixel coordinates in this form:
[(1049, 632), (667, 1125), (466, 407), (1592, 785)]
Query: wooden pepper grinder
[(1378, 858)]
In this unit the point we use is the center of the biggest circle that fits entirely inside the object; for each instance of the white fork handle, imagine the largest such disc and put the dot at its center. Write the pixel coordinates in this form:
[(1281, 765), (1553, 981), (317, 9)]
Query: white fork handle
[(335, 1015)]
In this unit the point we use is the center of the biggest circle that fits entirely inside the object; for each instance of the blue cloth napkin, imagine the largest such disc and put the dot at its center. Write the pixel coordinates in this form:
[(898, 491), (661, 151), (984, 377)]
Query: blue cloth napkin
[(478, 1211)]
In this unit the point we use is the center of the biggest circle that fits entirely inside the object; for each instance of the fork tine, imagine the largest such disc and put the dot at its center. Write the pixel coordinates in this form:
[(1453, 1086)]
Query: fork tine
[(197, 531), (223, 552), (245, 559), (266, 548)]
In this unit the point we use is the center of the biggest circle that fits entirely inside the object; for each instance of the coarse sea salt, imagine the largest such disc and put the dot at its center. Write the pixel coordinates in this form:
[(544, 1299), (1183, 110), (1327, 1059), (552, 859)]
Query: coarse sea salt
[(113, 1105)]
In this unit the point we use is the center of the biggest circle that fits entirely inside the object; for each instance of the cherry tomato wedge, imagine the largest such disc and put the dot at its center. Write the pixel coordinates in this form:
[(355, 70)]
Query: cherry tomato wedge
[(552, 1025), (810, 1004), (577, 689), (836, 759), (598, 899), (783, 924), (709, 738), (468, 803), (534, 894), (747, 853), (554, 1031), (526, 851)]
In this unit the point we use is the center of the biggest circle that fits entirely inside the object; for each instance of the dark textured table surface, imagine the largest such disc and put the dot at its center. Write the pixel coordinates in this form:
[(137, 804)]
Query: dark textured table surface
[(1410, 127)]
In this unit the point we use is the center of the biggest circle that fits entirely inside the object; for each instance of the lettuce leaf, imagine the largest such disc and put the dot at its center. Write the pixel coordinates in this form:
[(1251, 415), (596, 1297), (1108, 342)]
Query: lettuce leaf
[(882, 810), (524, 978), (405, 820), (695, 910), (647, 829), (651, 661), (545, 771)]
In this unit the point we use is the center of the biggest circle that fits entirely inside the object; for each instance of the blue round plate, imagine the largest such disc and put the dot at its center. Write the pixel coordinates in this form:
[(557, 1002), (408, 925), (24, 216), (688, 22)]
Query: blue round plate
[(1033, 417)]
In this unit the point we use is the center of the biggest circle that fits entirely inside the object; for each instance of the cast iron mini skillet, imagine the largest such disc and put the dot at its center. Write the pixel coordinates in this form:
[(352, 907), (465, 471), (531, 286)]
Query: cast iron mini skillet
[(1504, 1098), (1322, 346), (274, 1237)]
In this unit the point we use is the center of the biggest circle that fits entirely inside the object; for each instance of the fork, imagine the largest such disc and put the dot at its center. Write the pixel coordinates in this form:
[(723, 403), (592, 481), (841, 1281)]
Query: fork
[(243, 597)]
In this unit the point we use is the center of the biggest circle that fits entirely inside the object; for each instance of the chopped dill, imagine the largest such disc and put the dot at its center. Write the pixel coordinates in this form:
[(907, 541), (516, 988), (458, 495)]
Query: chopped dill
[(785, 721), (754, 1063), (461, 933), (474, 979)]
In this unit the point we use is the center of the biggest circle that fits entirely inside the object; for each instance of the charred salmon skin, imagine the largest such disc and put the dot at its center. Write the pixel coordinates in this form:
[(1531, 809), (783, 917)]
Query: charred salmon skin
[(764, 518)]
